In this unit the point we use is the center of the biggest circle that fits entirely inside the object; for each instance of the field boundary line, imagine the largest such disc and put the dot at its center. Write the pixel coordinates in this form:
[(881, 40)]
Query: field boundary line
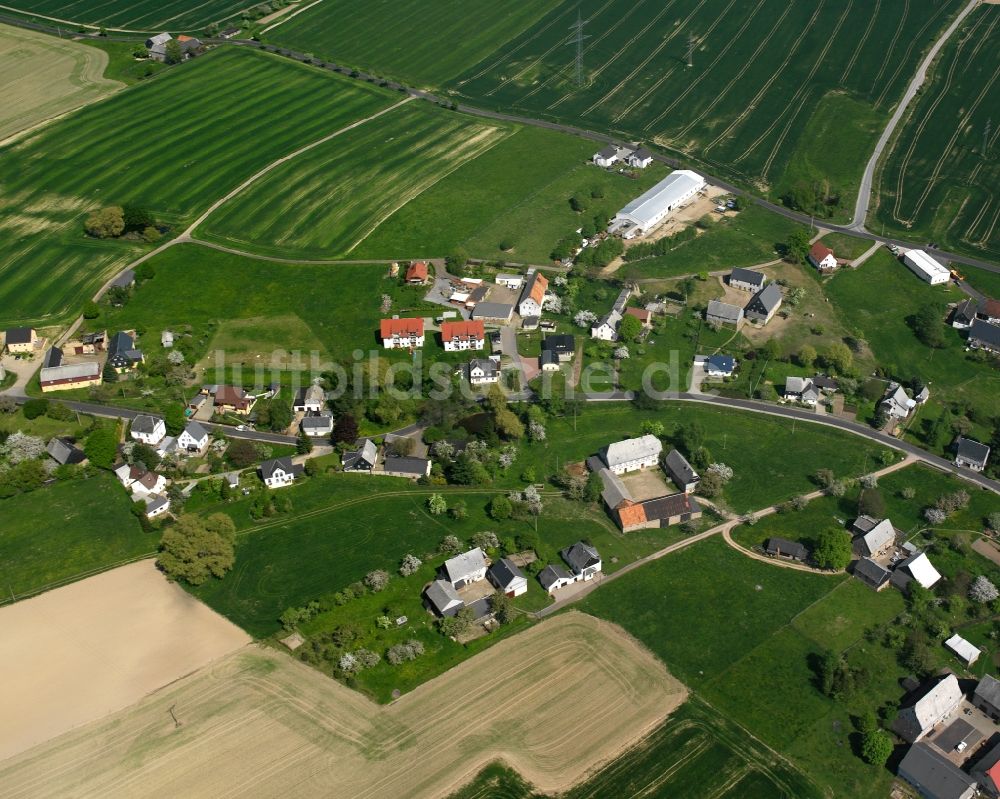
[(295, 13), (860, 45)]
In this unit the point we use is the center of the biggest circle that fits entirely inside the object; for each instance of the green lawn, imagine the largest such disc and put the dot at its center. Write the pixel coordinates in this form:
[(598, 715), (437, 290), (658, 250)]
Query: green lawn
[(747, 239), (426, 44), (880, 318), (63, 532), (122, 65), (173, 144), (745, 644), (845, 245)]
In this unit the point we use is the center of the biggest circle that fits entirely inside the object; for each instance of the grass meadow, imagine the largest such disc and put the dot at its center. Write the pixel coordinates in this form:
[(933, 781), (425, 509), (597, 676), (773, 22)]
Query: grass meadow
[(65, 530), (191, 137), (938, 180), (696, 752), (45, 77), (881, 319), (744, 645), (425, 44), (764, 73), (137, 15)]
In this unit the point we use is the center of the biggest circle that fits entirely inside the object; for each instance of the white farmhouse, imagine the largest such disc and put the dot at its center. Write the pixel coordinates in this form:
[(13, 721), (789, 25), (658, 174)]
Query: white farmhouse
[(506, 577), (279, 472), (467, 568), (148, 429), (914, 722), (606, 328), (608, 156), (194, 438), (483, 372), (633, 454)]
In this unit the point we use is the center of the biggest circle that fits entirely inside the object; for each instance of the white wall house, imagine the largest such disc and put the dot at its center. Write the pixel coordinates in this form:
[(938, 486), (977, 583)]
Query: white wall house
[(607, 156), (512, 282), (483, 371), (194, 438), (606, 328), (402, 333), (148, 429), (458, 336), (279, 472), (467, 568), (532, 298), (633, 454)]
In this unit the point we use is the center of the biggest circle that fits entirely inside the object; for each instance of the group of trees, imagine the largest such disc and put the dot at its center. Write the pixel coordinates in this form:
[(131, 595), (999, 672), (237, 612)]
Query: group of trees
[(115, 221), (194, 548)]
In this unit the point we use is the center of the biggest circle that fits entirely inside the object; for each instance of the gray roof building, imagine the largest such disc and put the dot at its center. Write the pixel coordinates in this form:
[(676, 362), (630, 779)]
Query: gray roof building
[(988, 693), (580, 556), (361, 459), (503, 573), (680, 471), (765, 302), (551, 574), (971, 453), (749, 277), (871, 574), (63, 451), (489, 311), (461, 566), (443, 598), (782, 547), (411, 467), (269, 467), (19, 335), (143, 423), (53, 358), (934, 775), (124, 280), (195, 430), (723, 313), (915, 721), (983, 334)]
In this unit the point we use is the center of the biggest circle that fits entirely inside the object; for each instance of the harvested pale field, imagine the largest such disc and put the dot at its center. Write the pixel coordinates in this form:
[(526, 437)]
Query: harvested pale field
[(78, 653), (553, 702), (45, 77)]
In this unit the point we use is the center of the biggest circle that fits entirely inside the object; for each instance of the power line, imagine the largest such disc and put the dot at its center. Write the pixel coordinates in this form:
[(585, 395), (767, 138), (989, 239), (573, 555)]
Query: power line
[(578, 41)]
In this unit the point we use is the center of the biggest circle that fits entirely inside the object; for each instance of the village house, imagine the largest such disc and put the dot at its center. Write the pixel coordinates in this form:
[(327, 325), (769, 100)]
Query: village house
[(363, 459), (970, 454), (122, 352), (508, 578), (645, 317), (493, 313), (764, 304), (987, 696), (722, 313), (934, 775), (871, 574), (783, 548), (964, 314), (156, 506), (897, 404), (65, 452), (554, 576), (584, 564), (562, 347), (402, 334), (656, 513), (140, 480), (21, 340), (989, 311), (229, 33), (640, 159), (533, 295), (193, 439), (984, 336), (233, 399), (914, 722), (309, 399), (822, 257), (548, 361), (416, 273), (317, 425), (457, 336), (69, 376), (801, 389), (465, 569), (681, 472), (279, 472), (441, 598), (633, 454), (720, 366), (916, 568), (747, 280), (483, 371), (607, 156), (965, 651), (148, 429), (873, 537), (606, 328), (412, 468)]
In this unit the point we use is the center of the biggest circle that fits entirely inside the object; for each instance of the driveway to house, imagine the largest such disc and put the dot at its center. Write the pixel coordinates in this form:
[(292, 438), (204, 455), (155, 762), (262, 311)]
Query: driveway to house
[(508, 341), (24, 368), (865, 190)]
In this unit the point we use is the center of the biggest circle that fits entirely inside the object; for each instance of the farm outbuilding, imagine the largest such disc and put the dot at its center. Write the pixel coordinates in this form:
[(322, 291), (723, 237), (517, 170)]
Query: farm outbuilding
[(650, 208), (926, 268)]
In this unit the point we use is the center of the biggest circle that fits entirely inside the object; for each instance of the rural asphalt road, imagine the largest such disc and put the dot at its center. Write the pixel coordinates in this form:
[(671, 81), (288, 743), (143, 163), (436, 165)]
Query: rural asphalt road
[(865, 191)]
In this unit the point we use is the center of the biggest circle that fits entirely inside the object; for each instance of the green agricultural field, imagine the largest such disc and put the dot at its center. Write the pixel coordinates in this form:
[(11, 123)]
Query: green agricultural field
[(938, 182), (65, 531), (173, 145), (764, 75), (425, 43), (731, 641), (881, 319), (694, 753), (45, 77), (136, 15)]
